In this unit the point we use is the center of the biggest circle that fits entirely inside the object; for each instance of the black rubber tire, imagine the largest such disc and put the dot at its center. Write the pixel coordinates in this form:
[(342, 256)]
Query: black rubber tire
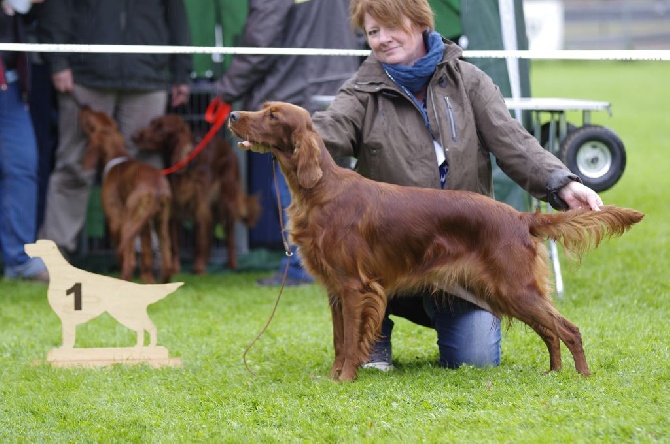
[(544, 136), (596, 154)]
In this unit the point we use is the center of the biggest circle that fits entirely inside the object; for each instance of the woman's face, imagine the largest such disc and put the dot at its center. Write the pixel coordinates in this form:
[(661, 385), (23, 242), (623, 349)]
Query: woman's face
[(402, 46)]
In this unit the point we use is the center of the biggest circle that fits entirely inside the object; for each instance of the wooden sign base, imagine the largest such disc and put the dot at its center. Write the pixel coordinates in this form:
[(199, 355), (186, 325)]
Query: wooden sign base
[(100, 357)]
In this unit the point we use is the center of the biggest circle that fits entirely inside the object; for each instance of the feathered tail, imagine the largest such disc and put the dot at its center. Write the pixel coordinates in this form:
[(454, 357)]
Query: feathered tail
[(580, 230)]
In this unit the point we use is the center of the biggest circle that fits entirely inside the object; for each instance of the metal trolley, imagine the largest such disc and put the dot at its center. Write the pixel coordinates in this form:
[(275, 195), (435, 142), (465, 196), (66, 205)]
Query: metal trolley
[(593, 152)]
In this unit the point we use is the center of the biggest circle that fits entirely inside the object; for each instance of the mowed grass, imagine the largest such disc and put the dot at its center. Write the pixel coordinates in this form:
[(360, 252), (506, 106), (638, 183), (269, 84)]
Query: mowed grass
[(618, 296)]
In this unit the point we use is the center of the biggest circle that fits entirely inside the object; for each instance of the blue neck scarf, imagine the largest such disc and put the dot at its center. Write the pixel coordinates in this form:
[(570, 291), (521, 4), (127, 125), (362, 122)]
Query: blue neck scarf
[(414, 77)]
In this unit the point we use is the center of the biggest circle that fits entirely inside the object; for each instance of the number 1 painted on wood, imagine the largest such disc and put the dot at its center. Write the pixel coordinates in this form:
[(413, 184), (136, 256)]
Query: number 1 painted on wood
[(76, 289)]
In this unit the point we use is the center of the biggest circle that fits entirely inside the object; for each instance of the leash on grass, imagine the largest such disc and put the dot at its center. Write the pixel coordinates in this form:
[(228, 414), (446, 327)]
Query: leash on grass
[(289, 253), (216, 114)]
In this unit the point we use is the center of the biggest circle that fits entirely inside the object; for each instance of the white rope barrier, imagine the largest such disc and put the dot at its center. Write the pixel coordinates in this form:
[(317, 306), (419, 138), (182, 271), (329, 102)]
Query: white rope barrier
[(568, 54)]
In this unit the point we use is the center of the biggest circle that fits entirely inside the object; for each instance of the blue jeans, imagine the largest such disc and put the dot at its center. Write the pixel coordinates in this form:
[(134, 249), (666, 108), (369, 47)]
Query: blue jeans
[(466, 334), (295, 270), (18, 182)]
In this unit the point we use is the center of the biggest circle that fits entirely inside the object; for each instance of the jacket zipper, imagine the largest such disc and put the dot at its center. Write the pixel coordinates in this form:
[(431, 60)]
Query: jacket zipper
[(452, 120)]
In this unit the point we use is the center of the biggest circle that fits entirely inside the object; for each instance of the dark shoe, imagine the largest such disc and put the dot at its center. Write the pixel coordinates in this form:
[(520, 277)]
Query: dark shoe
[(380, 357), (277, 279)]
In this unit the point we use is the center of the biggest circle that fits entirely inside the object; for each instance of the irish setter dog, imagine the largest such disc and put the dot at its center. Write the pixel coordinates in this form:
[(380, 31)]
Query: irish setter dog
[(135, 197), (207, 190), (365, 241)]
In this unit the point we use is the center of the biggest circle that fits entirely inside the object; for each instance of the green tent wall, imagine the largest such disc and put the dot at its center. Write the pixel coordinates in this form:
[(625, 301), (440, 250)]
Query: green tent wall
[(214, 23), (481, 29)]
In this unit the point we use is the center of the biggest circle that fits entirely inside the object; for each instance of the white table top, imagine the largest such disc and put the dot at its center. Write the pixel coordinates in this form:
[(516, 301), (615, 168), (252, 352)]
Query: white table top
[(555, 104), (527, 104)]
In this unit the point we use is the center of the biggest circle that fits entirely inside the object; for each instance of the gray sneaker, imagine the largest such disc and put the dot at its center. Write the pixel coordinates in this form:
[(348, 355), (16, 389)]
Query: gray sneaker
[(380, 356)]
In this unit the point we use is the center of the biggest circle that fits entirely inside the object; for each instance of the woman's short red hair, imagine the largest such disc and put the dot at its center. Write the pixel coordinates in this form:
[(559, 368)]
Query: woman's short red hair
[(390, 13)]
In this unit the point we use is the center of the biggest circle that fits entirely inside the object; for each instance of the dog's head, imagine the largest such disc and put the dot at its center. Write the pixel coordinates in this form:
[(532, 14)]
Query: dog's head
[(285, 130), (168, 134), (41, 248), (92, 121), (105, 141)]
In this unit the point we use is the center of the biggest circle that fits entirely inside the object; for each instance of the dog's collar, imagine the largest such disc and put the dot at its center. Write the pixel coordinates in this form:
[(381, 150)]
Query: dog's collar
[(112, 163)]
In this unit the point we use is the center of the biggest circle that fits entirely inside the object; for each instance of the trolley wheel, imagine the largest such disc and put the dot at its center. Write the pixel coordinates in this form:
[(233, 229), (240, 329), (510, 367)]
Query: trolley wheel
[(596, 154)]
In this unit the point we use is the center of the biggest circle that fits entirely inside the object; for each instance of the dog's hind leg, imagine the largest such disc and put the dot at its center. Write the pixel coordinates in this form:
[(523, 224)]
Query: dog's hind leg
[(572, 338), (203, 242), (538, 312), (553, 344), (140, 210), (146, 256), (150, 327), (163, 231), (139, 322), (126, 251)]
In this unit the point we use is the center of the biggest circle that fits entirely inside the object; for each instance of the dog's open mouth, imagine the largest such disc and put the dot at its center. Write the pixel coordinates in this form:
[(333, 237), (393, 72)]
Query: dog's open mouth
[(247, 143)]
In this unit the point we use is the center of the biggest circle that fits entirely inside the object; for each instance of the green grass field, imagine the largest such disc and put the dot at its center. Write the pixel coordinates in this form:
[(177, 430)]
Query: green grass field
[(618, 297)]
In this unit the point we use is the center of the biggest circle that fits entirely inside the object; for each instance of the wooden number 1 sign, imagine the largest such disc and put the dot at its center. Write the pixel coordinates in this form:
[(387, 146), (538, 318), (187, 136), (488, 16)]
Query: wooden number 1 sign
[(78, 296)]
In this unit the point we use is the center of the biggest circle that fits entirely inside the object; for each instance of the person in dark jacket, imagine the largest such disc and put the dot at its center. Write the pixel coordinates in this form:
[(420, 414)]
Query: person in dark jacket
[(416, 114), (254, 79), (18, 152), (133, 88)]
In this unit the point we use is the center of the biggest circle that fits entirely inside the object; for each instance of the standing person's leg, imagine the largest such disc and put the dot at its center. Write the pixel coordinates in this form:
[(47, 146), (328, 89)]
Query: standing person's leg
[(135, 111), (44, 113), (18, 187), (296, 274), (69, 184)]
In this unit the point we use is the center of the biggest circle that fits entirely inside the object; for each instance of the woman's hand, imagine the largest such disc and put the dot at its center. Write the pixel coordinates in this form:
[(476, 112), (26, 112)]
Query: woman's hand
[(63, 81), (180, 95), (21, 6), (578, 195)]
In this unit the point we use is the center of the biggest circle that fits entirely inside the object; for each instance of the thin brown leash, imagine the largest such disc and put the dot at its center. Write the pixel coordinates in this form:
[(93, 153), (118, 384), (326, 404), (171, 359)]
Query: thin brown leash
[(289, 253)]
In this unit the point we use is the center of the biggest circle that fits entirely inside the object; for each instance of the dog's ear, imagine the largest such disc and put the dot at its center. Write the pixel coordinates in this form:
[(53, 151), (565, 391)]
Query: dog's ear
[(307, 153), (91, 156), (85, 117)]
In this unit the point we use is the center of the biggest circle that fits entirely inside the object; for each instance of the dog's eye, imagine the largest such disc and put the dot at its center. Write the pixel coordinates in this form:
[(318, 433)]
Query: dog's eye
[(273, 116)]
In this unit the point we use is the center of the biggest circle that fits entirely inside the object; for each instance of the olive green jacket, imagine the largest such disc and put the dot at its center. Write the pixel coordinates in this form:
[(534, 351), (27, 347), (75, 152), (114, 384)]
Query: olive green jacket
[(373, 120)]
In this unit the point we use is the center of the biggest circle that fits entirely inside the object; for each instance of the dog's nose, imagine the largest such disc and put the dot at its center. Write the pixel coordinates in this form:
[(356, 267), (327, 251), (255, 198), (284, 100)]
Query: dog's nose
[(234, 116)]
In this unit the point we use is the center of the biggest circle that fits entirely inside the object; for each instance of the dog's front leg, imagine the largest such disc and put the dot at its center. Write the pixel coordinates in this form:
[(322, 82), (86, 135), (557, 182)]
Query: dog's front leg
[(69, 332), (338, 335), (362, 313), (351, 325)]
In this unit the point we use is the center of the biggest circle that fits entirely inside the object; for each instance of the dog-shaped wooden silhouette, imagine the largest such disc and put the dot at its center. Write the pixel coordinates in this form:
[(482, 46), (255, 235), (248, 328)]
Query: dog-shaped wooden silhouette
[(78, 296)]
